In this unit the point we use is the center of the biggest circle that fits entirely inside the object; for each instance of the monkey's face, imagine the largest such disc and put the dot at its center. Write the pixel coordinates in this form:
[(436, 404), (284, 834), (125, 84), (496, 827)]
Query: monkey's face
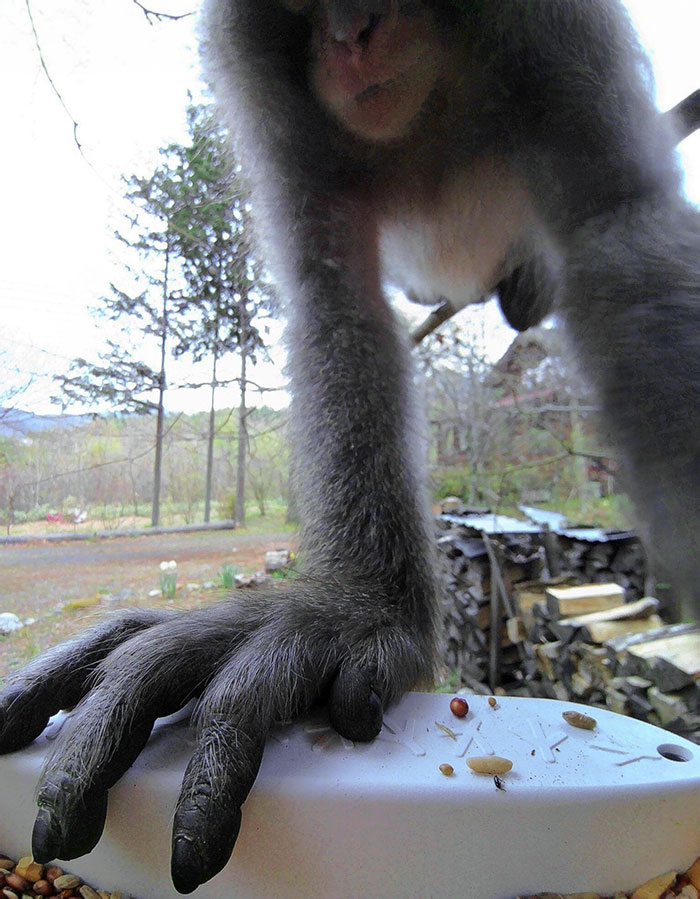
[(374, 63)]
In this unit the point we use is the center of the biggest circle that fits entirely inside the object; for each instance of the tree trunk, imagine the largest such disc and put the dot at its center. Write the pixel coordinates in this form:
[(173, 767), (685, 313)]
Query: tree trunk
[(580, 474), (210, 442), (239, 515), (158, 464)]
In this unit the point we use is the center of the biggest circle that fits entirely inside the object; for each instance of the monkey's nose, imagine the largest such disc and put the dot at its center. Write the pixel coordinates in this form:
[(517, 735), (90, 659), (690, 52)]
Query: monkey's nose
[(358, 31), (354, 22)]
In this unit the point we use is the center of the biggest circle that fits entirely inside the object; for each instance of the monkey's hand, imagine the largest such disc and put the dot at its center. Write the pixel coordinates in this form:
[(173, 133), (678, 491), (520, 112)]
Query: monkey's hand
[(250, 663)]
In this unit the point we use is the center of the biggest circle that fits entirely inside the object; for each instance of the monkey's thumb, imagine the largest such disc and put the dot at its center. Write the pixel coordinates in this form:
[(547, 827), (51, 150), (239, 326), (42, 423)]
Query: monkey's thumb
[(354, 708)]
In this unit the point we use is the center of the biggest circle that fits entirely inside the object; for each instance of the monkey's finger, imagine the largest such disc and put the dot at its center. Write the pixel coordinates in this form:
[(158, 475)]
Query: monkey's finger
[(208, 817), (354, 709), (49, 840), (59, 678), (273, 676)]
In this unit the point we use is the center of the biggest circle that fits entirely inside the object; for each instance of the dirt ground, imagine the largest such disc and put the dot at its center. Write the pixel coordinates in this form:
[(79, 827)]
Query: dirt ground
[(64, 585)]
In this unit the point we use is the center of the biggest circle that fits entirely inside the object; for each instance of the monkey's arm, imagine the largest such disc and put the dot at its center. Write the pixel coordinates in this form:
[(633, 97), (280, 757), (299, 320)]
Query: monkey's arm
[(631, 304)]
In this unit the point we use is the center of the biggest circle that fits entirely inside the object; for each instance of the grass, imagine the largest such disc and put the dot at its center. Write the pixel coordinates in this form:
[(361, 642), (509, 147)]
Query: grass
[(75, 605), (227, 576)]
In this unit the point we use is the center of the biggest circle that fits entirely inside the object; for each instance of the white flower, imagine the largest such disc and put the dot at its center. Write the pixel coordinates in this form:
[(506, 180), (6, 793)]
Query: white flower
[(163, 566), (172, 564)]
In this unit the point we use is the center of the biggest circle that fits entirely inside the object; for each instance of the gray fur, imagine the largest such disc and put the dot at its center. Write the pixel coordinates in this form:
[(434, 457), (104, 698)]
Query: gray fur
[(554, 98)]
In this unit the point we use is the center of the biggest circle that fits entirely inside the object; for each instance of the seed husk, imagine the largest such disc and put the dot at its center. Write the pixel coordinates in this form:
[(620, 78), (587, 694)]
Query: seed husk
[(66, 882), (29, 869), (578, 719)]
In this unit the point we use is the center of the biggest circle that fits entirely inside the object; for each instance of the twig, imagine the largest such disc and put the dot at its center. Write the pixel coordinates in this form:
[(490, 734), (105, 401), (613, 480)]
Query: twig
[(53, 86), (437, 317), (151, 14)]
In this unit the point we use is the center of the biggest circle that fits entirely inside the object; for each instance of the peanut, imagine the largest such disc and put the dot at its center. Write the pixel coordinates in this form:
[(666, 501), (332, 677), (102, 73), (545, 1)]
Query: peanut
[(489, 764)]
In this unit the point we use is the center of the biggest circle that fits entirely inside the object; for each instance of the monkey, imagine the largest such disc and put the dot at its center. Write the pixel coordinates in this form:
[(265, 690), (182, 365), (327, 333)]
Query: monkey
[(447, 147)]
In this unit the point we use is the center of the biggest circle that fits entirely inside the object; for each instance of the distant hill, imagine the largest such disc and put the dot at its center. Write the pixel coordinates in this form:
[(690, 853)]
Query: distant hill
[(20, 422)]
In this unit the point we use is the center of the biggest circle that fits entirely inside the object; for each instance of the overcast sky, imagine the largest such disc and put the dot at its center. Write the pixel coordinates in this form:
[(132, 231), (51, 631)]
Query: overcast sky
[(125, 82)]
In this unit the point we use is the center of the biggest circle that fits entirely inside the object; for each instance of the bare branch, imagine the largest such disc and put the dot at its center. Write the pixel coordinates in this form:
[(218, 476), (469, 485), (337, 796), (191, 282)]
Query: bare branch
[(437, 317), (152, 15), (686, 115), (225, 382), (53, 85), (97, 465)]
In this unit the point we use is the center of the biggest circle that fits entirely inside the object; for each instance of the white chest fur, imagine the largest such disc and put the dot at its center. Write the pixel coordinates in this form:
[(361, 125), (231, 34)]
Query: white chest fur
[(457, 243)]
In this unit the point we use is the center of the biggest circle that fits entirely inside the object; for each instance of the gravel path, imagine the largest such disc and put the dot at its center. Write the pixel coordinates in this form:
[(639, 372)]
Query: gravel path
[(62, 585)]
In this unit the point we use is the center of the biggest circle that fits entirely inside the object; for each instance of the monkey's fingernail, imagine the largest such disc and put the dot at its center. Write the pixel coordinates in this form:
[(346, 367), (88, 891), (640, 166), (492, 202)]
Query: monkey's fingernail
[(187, 868), (46, 837)]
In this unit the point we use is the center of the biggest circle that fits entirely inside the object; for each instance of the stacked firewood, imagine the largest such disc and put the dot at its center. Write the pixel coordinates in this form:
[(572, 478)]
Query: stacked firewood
[(465, 572), (598, 642), (590, 646), (620, 561)]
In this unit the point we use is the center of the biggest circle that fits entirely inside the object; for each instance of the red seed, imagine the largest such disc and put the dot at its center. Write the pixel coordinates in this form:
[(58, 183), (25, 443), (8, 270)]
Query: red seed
[(459, 707), (52, 872), (16, 882)]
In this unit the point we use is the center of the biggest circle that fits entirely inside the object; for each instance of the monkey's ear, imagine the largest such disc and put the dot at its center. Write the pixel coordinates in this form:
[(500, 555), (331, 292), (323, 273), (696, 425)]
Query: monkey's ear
[(526, 296)]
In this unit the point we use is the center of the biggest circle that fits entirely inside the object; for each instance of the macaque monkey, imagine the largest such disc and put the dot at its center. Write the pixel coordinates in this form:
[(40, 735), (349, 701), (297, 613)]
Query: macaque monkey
[(451, 148)]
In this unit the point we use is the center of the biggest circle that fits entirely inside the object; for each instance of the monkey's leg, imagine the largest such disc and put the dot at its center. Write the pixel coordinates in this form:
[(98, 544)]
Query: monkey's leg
[(632, 306)]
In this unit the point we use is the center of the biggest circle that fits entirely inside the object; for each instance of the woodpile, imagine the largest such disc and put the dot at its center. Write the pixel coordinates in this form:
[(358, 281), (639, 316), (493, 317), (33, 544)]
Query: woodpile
[(619, 561), (622, 657), (600, 642), (465, 571)]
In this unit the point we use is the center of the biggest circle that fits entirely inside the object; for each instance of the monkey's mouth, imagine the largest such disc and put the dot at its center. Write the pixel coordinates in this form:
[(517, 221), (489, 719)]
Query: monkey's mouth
[(374, 90)]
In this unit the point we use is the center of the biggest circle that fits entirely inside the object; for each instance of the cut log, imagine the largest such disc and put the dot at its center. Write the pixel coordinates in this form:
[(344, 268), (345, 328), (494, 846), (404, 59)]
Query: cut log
[(602, 631), (516, 630), (670, 706), (670, 662), (564, 602), (619, 644), (642, 608)]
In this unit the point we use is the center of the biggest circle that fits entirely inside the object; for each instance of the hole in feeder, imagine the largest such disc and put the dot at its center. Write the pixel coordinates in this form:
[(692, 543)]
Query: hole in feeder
[(674, 753)]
